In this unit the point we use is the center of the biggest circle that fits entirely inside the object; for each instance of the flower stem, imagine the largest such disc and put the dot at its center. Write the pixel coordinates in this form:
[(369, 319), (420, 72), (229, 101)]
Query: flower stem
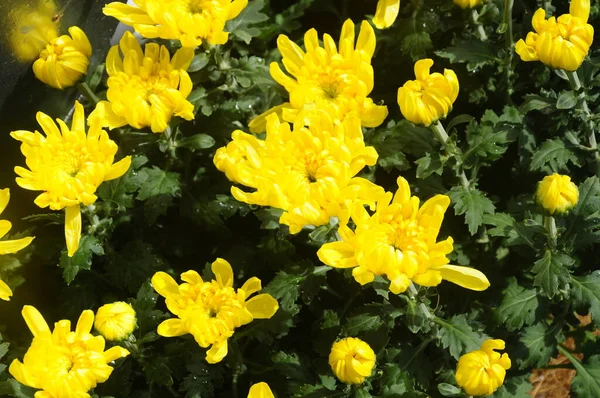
[(87, 92), (480, 28), (413, 293), (550, 225), (443, 137), (508, 38)]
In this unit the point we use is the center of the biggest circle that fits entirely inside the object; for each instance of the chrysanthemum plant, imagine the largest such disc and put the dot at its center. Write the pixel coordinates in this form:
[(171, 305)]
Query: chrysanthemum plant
[(398, 198)]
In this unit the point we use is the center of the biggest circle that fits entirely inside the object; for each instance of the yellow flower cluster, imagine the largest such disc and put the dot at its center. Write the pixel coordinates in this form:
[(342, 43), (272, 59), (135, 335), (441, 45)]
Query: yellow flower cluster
[(557, 193), (482, 371), (211, 311), (145, 89), (352, 360), (68, 165), (334, 79), (307, 171), (189, 21), (562, 42), (399, 241), (64, 363)]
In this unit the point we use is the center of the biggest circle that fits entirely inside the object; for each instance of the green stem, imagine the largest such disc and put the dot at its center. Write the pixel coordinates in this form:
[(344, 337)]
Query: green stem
[(574, 80), (443, 138), (550, 225), (87, 92), (508, 38), (413, 293), (480, 28)]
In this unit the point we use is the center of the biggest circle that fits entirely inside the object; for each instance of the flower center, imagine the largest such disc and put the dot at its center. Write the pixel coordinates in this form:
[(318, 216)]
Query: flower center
[(196, 6), (405, 235), (330, 91)]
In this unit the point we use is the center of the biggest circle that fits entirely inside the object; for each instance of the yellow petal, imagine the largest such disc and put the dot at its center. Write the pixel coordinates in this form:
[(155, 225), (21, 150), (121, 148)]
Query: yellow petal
[(115, 353), (386, 13), (171, 328), (422, 68), (78, 123), (338, 255), (217, 352), (236, 7), (259, 123), (114, 63), (366, 39), (466, 277), (35, 322), (5, 291), (13, 246), (580, 9), (263, 306), (21, 374), (4, 198), (84, 324), (252, 286), (192, 277), (260, 390), (72, 228), (164, 284), (223, 272), (182, 58), (118, 169)]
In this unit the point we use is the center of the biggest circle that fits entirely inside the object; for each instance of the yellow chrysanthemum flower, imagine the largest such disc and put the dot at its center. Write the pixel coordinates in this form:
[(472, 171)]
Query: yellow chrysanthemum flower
[(386, 13), (115, 321), (64, 60), (189, 21), (331, 79), (352, 360), (8, 246), (399, 241), (64, 363), (211, 311), (430, 97), (482, 371), (562, 42), (145, 89), (557, 193), (32, 28), (68, 165), (260, 390), (309, 172), (468, 3)]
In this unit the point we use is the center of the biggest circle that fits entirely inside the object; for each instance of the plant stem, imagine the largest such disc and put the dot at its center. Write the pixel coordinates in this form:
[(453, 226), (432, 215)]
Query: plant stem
[(550, 225), (87, 92), (508, 38), (480, 28), (413, 293), (443, 137)]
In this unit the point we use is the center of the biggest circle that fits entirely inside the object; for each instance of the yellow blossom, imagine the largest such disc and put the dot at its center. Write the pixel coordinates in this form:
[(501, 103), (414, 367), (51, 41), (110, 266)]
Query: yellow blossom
[(309, 172), (64, 363), (399, 241), (189, 21), (32, 27), (482, 371), (68, 165), (8, 246), (430, 97), (386, 13), (557, 193), (468, 3), (260, 390), (115, 321), (334, 79), (64, 60), (145, 89), (211, 311), (352, 360), (562, 42)]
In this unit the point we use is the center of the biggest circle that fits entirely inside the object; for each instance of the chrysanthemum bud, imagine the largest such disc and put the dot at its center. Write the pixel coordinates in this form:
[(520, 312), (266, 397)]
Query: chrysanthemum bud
[(557, 193), (482, 371), (352, 360), (468, 3), (115, 321), (260, 390)]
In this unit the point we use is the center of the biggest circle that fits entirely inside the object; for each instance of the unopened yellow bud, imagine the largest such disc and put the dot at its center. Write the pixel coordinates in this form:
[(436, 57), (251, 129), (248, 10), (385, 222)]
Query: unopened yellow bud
[(482, 371), (557, 193), (352, 360), (115, 321)]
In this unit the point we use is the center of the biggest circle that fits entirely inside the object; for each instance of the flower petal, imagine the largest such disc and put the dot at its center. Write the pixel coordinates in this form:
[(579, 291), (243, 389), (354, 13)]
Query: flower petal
[(263, 306), (4, 198), (217, 352), (13, 246), (466, 277), (164, 284), (118, 169), (386, 13), (115, 353), (5, 291), (35, 321), (84, 324), (72, 228), (260, 390), (171, 328), (223, 272), (252, 286)]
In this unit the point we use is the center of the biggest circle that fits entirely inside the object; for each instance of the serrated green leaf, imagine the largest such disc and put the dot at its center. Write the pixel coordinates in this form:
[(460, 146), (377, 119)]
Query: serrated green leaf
[(566, 100), (518, 306), (12, 388), (285, 288), (457, 335), (394, 380), (360, 323), (416, 45), (587, 381), (119, 191), (585, 292), (241, 27), (540, 344), (552, 156), (361, 393), (429, 164), (552, 272), (473, 203), (535, 102), (515, 387), (474, 52), (489, 139), (82, 259), (157, 182)]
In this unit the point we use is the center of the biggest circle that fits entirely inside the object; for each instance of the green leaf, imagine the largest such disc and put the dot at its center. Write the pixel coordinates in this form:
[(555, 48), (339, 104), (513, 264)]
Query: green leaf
[(535, 102), (394, 380), (241, 27), (518, 306), (553, 156), (489, 139), (585, 292), (198, 141), (515, 387), (361, 393), (285, 288), (157, 182), (199, 62), (457, 335), (473, 203), (552, 272), (416, 45), (474, 52), (566, 100), (94, 79), (360, 323), (120, 190), (13, 388), (586, 383), (429, 164), (82, 259), (448, 390), (540, 344)]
